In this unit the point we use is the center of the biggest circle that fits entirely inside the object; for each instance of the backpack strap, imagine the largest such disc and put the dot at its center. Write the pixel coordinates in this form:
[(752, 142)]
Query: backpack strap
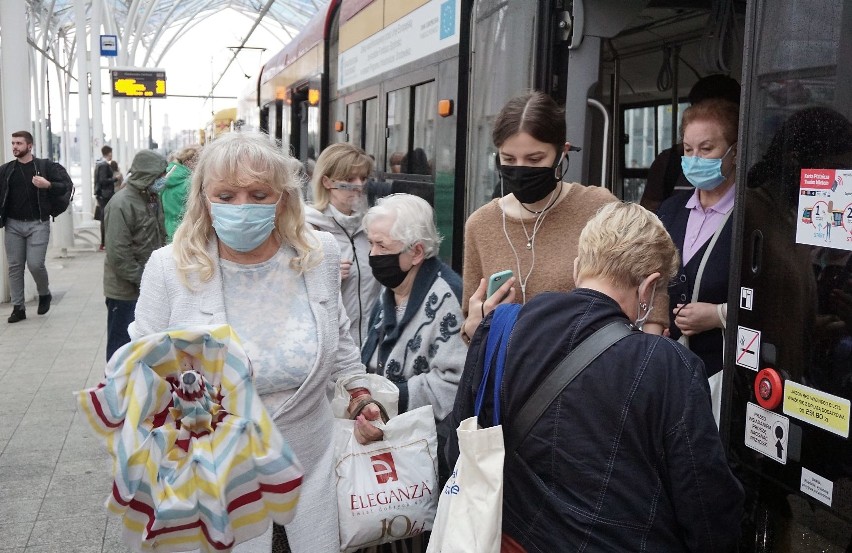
[(40, 166), (502, 323), (567, 370)]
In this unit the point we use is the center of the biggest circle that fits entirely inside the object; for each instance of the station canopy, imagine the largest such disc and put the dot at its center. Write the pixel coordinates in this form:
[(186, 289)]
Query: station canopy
[(161, 19)]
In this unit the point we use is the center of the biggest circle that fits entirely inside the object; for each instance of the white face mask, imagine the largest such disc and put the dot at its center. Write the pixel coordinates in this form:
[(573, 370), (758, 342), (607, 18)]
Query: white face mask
[(640, 318)]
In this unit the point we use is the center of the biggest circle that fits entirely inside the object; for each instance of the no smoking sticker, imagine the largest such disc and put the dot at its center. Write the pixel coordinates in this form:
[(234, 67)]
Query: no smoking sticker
[(748, 347)]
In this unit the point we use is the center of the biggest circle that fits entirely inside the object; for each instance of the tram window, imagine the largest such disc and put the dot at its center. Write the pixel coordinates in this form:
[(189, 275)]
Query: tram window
[(371, 117), (419, 160), (496, 28), (313, 133), (398, 124), (353, 123), (286, 126), (649, 131)]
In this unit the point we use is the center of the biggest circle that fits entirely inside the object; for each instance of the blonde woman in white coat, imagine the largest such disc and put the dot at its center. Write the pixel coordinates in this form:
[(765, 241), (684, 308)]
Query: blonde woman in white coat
[(244, 256), (340, 202)]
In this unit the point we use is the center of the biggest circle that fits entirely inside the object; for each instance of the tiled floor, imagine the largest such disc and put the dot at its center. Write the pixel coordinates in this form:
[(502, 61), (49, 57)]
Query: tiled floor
[(54, 474)]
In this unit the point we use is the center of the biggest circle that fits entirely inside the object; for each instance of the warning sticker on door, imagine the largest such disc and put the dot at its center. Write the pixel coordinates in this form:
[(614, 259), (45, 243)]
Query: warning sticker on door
[(748, 347), (816, 486), (818, 408), (767, 432)]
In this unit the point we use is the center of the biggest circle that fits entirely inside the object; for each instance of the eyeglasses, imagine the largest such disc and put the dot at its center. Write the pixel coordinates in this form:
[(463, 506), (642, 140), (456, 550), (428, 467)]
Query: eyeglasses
[(350, 186)]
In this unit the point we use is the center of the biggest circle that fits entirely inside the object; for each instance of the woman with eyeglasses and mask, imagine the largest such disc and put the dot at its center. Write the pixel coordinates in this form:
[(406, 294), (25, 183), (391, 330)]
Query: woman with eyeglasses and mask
[(244, 256), (340, 201), (699, 222), (533, 229)]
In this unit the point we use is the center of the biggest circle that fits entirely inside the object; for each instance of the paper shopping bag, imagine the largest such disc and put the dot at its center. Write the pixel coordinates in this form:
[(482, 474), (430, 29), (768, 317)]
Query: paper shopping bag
[(470, 508)]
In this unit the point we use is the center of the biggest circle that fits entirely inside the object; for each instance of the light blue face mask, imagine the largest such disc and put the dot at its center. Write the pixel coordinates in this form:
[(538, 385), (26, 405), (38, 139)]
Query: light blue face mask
[(158, 185), (243, 227), (704, 173)]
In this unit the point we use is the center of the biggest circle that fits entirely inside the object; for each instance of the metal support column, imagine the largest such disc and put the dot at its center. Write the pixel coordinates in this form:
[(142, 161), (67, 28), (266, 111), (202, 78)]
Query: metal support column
[(95, 70), (15, 95), (83, 139)]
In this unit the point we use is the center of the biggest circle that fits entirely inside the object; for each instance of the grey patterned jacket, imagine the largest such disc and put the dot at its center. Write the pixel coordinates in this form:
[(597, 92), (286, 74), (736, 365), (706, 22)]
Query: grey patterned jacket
[(423, 354)]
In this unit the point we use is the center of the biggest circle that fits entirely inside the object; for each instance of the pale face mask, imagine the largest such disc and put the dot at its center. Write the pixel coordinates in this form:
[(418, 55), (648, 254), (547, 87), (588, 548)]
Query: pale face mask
[(704, 173), (243, 227), (646, 307)]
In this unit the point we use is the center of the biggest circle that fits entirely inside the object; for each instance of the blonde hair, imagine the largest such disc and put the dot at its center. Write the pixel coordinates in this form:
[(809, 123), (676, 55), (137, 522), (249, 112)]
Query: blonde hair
[(242, 159), (413, 221), (338, 162), (624, 243)]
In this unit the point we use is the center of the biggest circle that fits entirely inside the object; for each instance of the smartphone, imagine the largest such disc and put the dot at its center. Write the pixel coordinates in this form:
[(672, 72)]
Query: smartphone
[(497, 280)]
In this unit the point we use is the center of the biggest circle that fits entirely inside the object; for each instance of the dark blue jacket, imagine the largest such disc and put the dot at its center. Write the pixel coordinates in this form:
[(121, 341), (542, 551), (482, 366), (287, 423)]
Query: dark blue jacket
[(627, 458), (707, 345)]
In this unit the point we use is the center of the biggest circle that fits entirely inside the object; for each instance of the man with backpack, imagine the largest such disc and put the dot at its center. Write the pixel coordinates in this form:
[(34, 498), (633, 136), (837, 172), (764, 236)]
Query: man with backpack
[(32, 191), (104, 186)]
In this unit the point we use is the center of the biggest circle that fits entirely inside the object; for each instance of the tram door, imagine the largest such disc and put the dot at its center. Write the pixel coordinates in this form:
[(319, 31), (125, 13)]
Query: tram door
[(789, 348), (304, 121)]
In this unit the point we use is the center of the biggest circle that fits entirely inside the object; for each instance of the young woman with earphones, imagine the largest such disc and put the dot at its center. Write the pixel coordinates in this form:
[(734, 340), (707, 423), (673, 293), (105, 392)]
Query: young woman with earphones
[(699, 222), (533, 230)]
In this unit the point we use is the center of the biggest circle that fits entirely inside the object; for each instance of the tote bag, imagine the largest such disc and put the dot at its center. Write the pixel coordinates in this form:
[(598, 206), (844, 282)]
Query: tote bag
[(470, 509)]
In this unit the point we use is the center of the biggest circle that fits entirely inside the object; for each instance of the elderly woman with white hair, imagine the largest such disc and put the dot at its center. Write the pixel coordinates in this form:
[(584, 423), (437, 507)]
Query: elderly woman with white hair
[(414, 334), (626, 456), (244, 256)]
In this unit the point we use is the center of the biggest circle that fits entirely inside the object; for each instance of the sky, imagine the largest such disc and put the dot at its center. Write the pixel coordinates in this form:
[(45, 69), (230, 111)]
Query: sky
[(194, 62), (197, 59)]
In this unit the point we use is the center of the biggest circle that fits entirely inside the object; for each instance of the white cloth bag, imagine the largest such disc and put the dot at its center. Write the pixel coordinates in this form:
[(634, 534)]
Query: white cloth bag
[(387, 490), (470, 509)]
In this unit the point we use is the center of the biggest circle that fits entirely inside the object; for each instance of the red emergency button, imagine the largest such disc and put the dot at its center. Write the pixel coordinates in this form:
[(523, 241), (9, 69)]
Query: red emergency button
[(768, 388)]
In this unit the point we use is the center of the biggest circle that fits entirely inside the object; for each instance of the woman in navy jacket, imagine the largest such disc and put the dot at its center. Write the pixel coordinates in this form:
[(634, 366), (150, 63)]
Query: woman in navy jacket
[(699, 222), (627, 457)]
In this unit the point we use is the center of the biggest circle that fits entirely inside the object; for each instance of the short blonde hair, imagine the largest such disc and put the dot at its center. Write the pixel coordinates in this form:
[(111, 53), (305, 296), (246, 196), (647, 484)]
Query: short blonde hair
[(338, 162), (413, 221), (624, 243), (242, 159)]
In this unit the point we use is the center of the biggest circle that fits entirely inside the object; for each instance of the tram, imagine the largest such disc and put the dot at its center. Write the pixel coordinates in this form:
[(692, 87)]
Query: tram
[(417, 84)]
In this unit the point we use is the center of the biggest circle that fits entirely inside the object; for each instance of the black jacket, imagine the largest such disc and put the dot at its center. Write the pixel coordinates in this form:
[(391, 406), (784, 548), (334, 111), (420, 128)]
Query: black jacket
[(104, 181), (627, 458), (707, 345), (60, 182)]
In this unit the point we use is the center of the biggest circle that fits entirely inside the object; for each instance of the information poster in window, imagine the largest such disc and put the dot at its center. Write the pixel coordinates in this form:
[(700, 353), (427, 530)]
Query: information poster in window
[(825, 208)]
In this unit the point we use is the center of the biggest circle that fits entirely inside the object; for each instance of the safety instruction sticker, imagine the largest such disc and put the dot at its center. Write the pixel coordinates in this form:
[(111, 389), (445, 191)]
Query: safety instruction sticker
[(746, 298), (748, 347), (817, 408), (767, 432), (816, 486), (825, 208)]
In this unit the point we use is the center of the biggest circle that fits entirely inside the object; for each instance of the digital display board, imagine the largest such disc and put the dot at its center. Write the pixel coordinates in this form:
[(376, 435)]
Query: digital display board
[(138, 83)]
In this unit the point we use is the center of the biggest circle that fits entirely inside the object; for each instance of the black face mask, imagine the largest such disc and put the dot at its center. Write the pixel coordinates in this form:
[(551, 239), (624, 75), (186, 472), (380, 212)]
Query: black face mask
[(529, 184), (386, 270)]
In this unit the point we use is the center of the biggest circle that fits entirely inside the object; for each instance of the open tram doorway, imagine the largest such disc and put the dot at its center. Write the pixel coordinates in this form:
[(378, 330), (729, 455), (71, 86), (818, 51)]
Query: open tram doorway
[(789, 345)]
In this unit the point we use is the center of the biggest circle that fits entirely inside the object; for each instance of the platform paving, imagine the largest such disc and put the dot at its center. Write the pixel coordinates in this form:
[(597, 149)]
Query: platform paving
[(54, 474)]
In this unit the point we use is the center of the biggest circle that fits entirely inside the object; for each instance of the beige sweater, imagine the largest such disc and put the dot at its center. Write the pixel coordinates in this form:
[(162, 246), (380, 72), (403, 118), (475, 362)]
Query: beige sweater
[(487, 251)]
